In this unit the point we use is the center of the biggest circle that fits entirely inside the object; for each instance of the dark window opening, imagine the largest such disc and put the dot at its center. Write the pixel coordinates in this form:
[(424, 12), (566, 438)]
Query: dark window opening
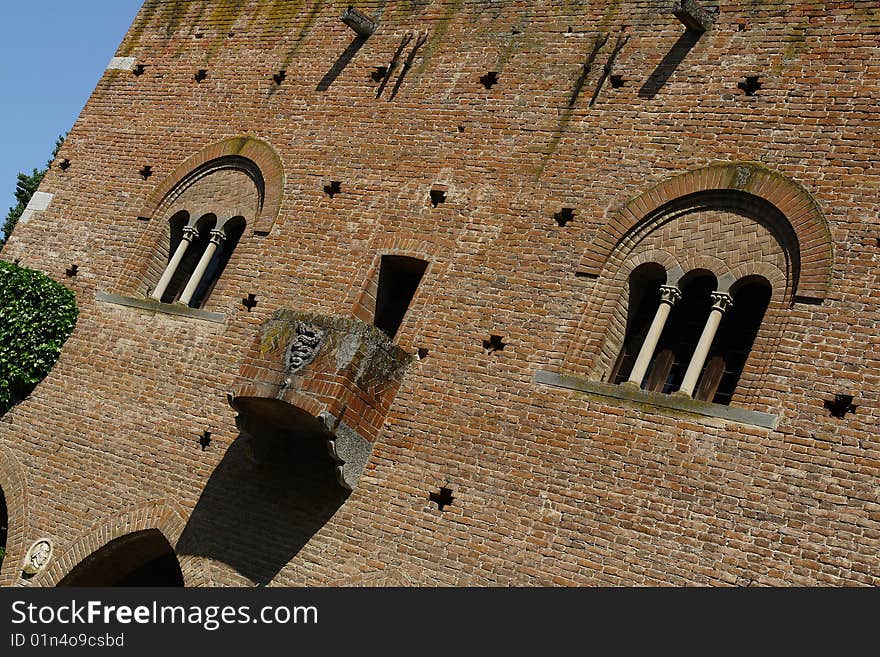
[(644, 299), (193, 252), (681, 333), (734, 341), (234, 229), (399, 278)]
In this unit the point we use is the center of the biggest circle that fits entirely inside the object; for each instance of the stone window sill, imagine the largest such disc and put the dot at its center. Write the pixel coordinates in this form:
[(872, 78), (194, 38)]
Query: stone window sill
[(674, 402), (152, 305)]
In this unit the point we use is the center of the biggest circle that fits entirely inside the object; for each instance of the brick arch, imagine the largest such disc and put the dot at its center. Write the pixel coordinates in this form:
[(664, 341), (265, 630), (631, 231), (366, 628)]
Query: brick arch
[(162, 515), (793, 203), (14, 486), (659, 256), (257, 151)]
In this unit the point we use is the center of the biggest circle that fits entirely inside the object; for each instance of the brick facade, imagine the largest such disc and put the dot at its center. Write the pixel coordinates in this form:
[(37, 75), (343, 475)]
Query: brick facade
[(676, 159)]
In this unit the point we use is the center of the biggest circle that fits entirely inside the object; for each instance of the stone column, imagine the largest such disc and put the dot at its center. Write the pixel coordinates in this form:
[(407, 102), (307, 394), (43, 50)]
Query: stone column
[(721, 302), (190, 233), (669, 295), (217, 238)]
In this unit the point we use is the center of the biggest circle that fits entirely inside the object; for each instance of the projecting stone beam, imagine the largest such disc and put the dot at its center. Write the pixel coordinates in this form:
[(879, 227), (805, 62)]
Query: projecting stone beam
[(694, 17), (359, 22)]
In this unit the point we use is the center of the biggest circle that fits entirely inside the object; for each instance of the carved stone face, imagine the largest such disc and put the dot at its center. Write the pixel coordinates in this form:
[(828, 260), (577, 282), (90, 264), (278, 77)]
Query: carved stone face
[(38, 557)]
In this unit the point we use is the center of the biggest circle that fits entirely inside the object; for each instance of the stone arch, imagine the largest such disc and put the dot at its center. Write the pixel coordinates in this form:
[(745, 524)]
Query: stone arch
[(162, 516), (253, 155), (778, 233), (239, 183), (795, 211), (14, 490)]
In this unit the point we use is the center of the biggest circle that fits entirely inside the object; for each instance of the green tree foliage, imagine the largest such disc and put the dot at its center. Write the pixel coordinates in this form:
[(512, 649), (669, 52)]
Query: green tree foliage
[(36, 317), (25, 187)]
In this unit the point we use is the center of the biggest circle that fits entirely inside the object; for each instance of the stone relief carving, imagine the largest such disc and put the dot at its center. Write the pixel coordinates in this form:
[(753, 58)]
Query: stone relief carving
[(38, 556), (303, 348)]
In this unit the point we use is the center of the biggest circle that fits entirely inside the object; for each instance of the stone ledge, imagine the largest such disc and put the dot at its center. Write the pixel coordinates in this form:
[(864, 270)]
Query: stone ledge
[(164, 308), (633, 394)]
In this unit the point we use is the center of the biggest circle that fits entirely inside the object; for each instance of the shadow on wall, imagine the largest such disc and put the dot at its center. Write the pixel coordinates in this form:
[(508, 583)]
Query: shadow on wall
[(257, 516), (670, 64)]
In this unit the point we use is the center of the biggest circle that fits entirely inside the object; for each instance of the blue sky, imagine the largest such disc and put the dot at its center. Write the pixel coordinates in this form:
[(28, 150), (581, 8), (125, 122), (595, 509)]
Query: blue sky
[(52, 54)]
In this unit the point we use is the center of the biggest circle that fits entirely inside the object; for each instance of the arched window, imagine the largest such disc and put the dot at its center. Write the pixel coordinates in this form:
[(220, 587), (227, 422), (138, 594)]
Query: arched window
[(198, 225), (689, 337), (736, 335), (199, 252), (682, 332), (644, 296)]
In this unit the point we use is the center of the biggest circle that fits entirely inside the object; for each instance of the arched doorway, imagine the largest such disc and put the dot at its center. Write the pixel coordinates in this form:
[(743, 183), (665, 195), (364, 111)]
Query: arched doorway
[(143, 558)]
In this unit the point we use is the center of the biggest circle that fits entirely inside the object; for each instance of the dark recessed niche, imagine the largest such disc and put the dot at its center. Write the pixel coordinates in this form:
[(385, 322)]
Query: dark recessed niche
[(616, 81), (333, 188), (249, 302), (462, 128), (138, 70), (72, 270), (490, 79), (279, 77), (379, 74), (494, 343), (399, 279), (564, 216), (437, 197), (199, 35), (64, 164), (751, 85), (146, 171), (205, 440), (200, 75), (422, 353), (442, 499)]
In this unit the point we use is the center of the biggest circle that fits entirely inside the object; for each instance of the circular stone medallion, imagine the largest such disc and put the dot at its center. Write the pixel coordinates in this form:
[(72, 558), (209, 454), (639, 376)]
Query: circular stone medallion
[(38, 556)]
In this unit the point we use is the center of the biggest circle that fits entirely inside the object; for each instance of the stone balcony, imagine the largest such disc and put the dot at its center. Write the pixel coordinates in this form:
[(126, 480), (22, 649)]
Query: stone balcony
[(314, 377)]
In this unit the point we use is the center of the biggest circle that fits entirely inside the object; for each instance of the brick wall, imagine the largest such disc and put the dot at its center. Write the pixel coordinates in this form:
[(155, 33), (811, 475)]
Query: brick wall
[(551, 486)]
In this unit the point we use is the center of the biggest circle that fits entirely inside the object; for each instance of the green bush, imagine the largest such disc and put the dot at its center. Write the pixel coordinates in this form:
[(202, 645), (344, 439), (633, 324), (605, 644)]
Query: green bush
[(36, 316)]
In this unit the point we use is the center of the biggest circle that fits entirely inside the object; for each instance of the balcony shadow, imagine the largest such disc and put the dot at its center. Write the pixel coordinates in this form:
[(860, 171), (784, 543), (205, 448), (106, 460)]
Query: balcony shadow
[(670, 63), (255, 516), (340, 64)]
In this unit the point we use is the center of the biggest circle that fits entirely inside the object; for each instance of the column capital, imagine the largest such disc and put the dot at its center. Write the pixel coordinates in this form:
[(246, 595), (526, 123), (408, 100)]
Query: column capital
[(190, 233), (218, 237), (670, 294), (721, 301)]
